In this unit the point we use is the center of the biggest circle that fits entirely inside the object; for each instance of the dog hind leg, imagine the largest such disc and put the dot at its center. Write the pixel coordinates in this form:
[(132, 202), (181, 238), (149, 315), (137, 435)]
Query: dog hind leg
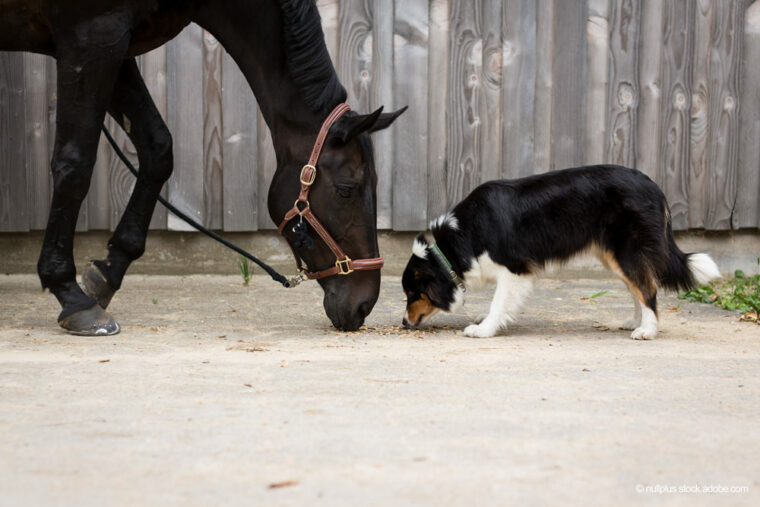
[(648, 328), (634, 321), (642, 283), (637, 277)]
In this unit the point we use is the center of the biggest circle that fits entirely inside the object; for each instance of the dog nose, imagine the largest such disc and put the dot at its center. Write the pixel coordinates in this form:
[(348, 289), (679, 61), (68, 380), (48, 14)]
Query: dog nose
[(405, 322)]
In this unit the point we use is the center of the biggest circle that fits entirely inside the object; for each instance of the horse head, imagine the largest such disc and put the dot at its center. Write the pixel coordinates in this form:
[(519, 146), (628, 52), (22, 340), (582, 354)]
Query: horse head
[(343, 197)]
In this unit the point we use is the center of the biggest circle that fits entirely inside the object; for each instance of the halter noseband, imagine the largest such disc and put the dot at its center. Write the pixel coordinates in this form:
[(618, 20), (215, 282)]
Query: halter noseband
[(344, 265)]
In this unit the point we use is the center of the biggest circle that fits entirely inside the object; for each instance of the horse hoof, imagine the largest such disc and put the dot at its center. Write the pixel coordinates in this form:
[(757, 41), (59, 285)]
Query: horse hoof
[(96, 286), (94, 321)]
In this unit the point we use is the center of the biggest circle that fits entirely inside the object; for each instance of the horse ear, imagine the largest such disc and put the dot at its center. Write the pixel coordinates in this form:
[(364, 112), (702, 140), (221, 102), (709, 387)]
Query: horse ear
[(349, 127), (385, 119)]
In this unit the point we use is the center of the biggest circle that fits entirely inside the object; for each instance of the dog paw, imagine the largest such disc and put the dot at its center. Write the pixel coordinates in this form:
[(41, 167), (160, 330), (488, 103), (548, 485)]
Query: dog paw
[(479, 331), (642, 333), (630, 324), (480, 318)]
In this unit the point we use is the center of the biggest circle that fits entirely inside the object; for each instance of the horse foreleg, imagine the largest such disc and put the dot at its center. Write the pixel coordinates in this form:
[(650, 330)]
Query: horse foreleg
[(133, 108), (88, 62)]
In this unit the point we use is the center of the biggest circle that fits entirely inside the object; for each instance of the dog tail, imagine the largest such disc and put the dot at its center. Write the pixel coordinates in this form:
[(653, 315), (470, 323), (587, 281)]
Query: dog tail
[(684, 271)]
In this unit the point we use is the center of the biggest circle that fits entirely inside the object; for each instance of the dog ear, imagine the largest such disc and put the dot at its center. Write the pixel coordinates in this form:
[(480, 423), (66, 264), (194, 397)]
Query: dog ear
[(420, 246), (348, 127)]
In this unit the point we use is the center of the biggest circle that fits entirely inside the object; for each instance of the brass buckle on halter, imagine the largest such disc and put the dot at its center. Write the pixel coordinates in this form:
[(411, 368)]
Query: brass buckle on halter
[(344, 266), (313, 175)]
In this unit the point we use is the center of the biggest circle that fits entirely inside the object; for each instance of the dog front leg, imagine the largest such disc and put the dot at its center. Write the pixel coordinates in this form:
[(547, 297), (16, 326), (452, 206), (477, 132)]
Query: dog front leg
[(511, 291)]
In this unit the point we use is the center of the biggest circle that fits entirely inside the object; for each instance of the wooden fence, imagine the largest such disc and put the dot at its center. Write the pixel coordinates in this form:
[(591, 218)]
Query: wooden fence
[(496, 88)]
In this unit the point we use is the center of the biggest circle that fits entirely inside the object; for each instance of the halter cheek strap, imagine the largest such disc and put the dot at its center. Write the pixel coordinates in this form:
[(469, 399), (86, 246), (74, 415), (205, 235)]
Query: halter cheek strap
[(344, 265)]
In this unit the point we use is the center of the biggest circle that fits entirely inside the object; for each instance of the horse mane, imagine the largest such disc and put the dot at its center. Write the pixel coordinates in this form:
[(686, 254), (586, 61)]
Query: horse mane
[(307, 59)]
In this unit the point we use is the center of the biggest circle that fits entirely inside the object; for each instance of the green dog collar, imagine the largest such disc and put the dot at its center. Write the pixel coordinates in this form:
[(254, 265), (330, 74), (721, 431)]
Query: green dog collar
[(446, 264)]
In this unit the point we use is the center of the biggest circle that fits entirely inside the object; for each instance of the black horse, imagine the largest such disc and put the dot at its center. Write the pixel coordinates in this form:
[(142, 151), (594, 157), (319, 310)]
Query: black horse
[(279, 46)]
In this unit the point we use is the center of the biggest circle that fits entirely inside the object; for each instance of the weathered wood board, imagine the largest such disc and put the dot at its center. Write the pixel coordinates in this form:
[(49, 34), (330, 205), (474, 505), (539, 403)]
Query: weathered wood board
[(13, 202), (677, 65), (496, 88), (410, 141), (239, 150), (185, 111)]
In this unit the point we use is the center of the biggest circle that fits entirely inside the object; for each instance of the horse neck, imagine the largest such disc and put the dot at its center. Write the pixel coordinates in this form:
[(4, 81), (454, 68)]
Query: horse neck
[(252, 33)]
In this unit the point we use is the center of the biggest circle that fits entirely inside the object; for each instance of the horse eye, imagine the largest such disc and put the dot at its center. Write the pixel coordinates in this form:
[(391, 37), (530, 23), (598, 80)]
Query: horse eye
[(344, 190)]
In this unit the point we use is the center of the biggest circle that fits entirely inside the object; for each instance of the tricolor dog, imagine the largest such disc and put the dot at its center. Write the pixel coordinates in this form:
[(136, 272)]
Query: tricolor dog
[(506, 231)]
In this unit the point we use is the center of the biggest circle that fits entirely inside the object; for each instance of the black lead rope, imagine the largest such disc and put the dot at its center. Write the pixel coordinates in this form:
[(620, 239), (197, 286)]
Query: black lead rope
[(271, 272)]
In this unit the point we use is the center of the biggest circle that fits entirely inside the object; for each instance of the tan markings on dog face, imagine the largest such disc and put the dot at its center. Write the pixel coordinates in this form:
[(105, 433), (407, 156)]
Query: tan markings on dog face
[(419, 309)]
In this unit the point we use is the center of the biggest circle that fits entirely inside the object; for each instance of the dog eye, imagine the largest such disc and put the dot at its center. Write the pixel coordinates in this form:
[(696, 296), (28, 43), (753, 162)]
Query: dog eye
[(344, 191)]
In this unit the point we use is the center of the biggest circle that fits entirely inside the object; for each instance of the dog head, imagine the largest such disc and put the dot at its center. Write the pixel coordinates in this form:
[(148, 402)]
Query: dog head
[(428, 286)]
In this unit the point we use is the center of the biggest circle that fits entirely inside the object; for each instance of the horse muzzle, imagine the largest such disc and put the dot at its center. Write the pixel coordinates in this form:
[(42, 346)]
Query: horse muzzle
[(349, 299)]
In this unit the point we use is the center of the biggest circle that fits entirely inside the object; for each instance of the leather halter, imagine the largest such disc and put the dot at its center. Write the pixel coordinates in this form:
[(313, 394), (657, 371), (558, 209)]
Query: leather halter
[(344, 265)]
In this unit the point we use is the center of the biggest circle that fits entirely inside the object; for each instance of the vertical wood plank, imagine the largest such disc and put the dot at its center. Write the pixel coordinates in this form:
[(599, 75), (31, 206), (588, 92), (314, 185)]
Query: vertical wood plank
[(568, 68), (518, 26), (699, 156), (748, 174), (381, 94), (365, 66), (14, 215), (725, 63), (37, 152), (623, 97), (677, 65), (465, 94), (410, 142), (355, 52), (153, 69), (438, 58), (490, 106), (542, 112), (328, 11), (239, 150), (185, 94), (99, 198), (118, 179), (212, 131), (649, 126), (597, 79), (266, 167)]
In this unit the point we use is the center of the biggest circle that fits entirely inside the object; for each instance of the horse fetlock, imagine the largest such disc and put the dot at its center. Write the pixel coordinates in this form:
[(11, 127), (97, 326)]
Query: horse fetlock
[(71, 298), (96, 285)]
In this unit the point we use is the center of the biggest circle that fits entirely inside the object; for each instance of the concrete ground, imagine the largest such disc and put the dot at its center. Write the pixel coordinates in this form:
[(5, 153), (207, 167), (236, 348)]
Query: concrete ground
[(215, 393)]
